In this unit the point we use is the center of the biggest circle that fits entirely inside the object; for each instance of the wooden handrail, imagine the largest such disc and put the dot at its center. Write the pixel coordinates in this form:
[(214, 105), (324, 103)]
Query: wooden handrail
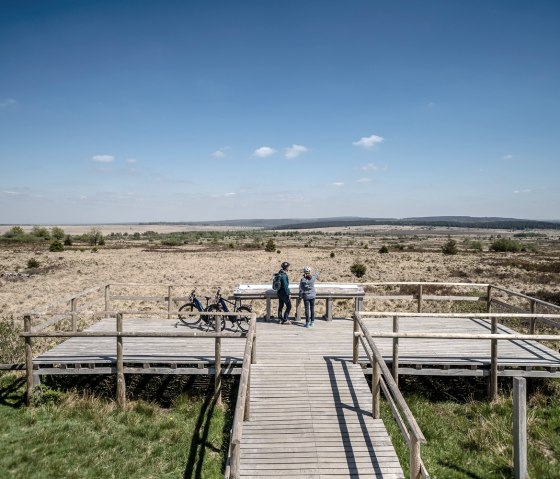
[(242, 411), (424, 283), (411, 431), (530, 298)]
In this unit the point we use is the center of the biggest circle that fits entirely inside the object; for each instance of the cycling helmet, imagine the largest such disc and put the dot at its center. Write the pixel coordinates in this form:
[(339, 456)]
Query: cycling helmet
[(307, 270), (285, 265)]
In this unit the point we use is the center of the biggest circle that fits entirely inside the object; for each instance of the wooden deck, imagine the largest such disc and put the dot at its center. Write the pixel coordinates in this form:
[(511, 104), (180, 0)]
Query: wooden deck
[(292, 344)]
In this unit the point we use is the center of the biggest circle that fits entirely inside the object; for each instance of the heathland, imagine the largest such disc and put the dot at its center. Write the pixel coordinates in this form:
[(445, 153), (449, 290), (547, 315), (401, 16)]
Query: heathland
[(466, 436)]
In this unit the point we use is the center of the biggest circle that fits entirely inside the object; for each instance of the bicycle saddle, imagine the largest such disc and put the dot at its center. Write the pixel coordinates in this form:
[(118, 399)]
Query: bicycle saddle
[(208, 298)]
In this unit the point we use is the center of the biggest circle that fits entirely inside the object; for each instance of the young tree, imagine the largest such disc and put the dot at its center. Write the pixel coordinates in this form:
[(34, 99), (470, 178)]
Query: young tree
[(450, 247), (270, 246)]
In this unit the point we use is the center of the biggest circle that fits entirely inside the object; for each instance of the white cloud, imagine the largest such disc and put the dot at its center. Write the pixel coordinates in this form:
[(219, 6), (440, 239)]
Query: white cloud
[(363, 180), (131, 161), (7, 102), (295, 150), (264, 151), (103, 158), (521, 192), (509, 156), (372, 167), (83, 197), (337, 183), (368, 142), (9, 192), (218, 154)]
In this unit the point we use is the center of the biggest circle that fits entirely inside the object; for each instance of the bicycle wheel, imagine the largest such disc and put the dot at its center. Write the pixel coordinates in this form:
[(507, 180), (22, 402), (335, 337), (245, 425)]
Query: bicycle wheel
[(243, 320), (190, 320), (211, 320)]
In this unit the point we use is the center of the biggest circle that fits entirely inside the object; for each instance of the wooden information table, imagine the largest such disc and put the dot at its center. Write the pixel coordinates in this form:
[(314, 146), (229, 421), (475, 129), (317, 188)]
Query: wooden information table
[(326, 291)]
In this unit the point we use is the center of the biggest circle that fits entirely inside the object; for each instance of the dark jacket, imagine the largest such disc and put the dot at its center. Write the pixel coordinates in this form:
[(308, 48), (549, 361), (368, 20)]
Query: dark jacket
[(285, 282), (307, 287)]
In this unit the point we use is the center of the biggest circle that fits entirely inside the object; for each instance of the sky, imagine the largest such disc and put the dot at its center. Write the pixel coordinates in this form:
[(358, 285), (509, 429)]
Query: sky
[(127, 111)]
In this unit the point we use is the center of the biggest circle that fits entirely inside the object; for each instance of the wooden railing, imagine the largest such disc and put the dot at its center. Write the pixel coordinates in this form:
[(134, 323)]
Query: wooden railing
[(382, 380), (119, 334), (494, 337), (243, 405)]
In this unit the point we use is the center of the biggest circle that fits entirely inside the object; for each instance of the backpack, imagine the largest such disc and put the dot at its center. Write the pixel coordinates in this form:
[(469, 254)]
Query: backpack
[(276, 281)]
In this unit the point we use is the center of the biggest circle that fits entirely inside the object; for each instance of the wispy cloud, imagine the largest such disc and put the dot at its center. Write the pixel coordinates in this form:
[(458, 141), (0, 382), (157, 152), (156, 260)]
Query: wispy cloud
[(509, 156), (131, 161), (264, 151), (372, 167), (337, 183), (218, 154), (368, 142), (522, 192), (7, 102), (11, 193), (103, 158), (363, 180), (295, 150)]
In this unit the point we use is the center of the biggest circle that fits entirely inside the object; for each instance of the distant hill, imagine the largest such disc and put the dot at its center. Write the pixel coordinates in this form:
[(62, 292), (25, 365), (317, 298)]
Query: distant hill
[(435, 221)]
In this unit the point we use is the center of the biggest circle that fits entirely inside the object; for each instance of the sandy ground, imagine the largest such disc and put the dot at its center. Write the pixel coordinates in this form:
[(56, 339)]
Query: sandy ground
[(69, 272)]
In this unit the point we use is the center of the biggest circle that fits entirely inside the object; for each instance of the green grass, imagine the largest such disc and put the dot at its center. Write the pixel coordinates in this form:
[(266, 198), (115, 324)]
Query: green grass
[(74, 436), (467, 437)]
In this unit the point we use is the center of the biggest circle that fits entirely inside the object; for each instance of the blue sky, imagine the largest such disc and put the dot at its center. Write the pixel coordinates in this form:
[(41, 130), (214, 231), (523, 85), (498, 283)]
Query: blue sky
[(123, 111)]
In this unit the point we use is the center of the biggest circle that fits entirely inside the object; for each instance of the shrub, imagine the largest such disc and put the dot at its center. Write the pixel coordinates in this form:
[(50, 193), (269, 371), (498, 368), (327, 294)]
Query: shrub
[(101, 241), (506, 245), (15, 231), (56, 246), (384, 249), (68, 241), (94, 249), (332, 254), (32, 263), (11, 346), (358, 269), (450, 247), (172, 242), (270, 246), (41, 232), (94, 236), (231, 246), (57, 233)]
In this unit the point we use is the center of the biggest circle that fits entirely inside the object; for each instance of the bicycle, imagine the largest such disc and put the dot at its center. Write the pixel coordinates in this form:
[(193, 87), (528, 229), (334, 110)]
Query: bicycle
[(221, 305), (204, 321)]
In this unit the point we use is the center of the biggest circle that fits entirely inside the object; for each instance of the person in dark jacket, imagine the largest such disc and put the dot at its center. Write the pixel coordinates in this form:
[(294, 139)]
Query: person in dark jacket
[(308, 294), (284, 294)]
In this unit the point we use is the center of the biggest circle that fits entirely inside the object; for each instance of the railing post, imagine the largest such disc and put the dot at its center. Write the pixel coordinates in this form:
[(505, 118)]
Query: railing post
[(419, 298), (254, 346), (520, 428), (396, 350), (414, 457), (247, 412), (375, 389), (268, 308), (218, 362), (107, 300), (28, 360), (356, 340), (234, 460), (73, 308), (533, 321), (494, 362), (121, 386), (489, 299), (169, 291)]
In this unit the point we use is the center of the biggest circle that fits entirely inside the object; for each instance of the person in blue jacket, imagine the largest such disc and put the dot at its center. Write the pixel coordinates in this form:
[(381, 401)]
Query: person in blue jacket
[(307, 293), (284, 294)]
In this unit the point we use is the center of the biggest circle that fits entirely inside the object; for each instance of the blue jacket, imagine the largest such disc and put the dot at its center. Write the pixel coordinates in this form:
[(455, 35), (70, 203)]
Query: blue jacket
[(307, 287), (285, 282)]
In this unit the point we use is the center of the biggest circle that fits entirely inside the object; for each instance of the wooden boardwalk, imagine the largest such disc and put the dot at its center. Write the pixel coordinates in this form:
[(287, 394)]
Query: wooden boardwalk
[(283, 345)]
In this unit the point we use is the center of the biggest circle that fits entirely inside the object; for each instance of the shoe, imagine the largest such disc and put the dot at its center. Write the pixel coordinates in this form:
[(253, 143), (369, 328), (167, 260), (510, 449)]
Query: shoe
[(306, 325), (312, 324)]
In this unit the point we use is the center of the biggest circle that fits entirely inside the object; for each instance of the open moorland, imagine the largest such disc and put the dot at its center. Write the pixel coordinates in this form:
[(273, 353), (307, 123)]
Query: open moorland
[(187, 436)]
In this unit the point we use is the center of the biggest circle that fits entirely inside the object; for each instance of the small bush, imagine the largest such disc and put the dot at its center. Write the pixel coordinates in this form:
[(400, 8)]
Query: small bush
[(358, 269), (384, 249), (56, 246), (94, 249), (32, 263), (270, 246), (172, 242), (101, 241), (57, 233), (11, 346), (332, 254), (278, 251), (231, 246), (503, 245), (68, 241), (450, 247)]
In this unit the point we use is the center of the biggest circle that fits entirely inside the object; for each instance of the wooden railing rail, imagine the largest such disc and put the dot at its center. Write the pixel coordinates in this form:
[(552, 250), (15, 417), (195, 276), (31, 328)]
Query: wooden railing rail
[(494, 337), (383, 380), (242, 408), (28, 334)]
